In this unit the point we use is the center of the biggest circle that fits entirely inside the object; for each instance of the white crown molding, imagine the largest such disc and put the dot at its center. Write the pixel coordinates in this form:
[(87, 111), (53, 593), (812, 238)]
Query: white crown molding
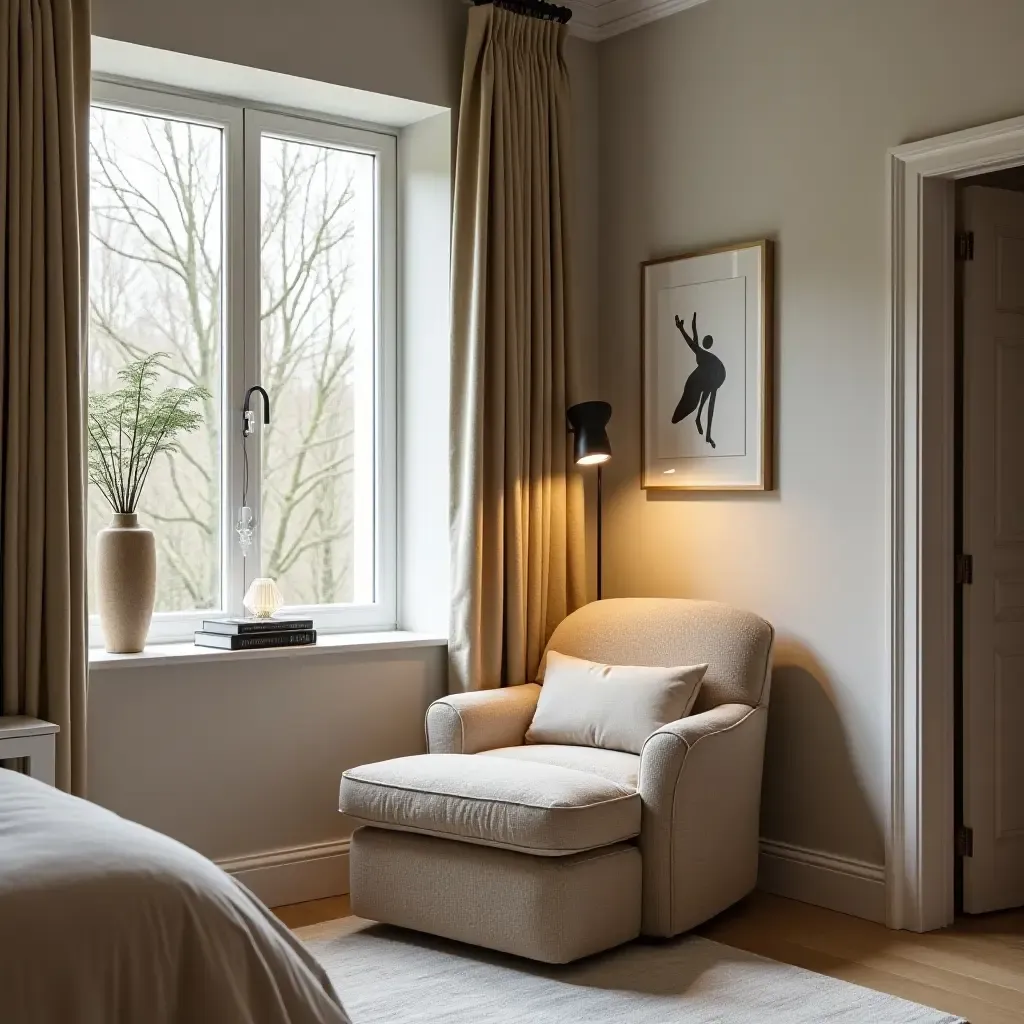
[(596, 20)]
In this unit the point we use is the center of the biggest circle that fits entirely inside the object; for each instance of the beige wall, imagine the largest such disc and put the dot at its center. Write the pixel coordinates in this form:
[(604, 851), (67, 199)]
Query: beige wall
[(245, 757), (743, 119), (408, 48)]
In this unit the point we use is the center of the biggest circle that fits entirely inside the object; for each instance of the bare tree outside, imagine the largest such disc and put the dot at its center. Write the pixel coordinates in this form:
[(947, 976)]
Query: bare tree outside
[(157, 267), (155, 286), (317, 271)]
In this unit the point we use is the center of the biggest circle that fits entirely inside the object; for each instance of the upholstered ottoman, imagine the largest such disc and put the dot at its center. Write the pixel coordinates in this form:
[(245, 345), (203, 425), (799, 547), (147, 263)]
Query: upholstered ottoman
[(526, 858)]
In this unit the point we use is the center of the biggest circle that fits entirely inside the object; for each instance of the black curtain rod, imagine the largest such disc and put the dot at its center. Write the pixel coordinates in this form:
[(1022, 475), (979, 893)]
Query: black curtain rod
[(532, 9)]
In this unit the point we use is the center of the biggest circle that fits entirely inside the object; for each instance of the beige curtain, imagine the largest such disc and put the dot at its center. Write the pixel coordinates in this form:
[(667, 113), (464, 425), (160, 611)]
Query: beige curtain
[(44, 114), (518, 563)]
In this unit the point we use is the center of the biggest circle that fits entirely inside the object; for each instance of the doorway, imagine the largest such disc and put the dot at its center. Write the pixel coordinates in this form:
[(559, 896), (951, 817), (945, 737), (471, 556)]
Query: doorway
[(989, 610), (922, 541)]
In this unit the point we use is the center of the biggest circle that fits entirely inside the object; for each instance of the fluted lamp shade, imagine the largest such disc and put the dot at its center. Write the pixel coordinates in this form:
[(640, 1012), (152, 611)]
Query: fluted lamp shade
[(588, 422), (263, 599)]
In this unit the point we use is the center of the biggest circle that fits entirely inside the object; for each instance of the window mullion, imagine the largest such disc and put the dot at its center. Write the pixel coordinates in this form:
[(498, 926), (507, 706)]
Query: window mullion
[(251, 343), (235, 375)]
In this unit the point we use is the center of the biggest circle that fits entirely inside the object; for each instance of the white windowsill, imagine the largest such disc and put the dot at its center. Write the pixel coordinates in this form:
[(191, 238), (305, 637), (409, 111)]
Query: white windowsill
[(336, 644)]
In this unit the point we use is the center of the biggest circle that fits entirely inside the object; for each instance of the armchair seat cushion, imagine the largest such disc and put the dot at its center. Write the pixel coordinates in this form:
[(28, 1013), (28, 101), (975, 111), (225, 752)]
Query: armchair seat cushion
[(542, 809), (614, 765)]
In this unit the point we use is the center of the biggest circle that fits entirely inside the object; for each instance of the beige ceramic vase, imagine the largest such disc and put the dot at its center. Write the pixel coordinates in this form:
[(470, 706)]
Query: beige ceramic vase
[(125, 583)]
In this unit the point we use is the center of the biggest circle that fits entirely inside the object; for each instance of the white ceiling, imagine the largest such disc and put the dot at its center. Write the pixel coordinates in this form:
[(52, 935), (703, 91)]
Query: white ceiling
[(601, 19)]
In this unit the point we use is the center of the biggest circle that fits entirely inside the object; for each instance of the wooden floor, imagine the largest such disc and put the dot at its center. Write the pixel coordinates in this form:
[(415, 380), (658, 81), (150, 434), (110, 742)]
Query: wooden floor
[(975, 969)]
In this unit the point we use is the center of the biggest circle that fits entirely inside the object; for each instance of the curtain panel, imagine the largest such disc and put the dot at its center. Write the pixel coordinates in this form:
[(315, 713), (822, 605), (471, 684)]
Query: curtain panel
[(44, 112), (517, 522)]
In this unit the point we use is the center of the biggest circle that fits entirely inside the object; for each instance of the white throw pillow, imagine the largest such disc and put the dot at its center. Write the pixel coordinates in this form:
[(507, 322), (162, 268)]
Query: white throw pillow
[(615, 707)]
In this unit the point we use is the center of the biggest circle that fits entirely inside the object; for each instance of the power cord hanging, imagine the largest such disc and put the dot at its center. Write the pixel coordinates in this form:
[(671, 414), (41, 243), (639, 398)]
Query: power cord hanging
[(246, 525)]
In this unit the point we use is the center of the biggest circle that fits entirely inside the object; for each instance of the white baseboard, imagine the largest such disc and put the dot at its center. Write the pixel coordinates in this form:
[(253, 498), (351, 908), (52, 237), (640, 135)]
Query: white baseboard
[(296, 875), (825, 879), (303, 873)]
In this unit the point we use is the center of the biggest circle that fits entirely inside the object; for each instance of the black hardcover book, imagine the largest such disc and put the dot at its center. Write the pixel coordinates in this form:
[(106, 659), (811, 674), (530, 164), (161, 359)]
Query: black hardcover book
[(244, 627), (256, 641)]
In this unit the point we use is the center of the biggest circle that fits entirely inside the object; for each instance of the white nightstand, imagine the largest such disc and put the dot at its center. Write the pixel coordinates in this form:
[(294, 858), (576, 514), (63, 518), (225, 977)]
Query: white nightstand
[(32, 739)]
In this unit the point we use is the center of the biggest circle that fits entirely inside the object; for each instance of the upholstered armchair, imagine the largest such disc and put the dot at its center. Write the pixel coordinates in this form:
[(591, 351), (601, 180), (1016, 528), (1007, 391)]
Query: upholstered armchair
[(555, 852)]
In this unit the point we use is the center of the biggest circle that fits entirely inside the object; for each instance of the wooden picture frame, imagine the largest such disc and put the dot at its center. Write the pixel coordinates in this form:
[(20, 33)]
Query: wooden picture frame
[(707, 370)]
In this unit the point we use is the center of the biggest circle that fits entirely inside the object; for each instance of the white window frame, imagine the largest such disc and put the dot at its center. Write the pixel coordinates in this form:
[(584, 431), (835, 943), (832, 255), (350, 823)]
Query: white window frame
[(381, 613), (242, 126)]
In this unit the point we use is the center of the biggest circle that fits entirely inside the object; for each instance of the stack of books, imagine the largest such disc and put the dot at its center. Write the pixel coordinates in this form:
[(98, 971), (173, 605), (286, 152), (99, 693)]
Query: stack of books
[(255, 634)]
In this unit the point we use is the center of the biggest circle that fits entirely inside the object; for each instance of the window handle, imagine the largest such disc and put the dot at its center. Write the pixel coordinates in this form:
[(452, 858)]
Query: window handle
[(248, 416)]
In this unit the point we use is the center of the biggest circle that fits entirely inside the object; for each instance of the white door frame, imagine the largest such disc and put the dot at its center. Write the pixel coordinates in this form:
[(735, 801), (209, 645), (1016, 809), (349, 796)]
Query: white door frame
[(920, 533)]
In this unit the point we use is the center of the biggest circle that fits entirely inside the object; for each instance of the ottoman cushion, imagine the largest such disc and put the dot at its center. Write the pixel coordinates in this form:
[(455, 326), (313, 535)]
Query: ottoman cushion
[(553, 909), (541, 809)]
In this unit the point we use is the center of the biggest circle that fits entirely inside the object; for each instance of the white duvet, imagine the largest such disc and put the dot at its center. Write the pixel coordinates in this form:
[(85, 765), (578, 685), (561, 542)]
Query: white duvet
[(105, 922)]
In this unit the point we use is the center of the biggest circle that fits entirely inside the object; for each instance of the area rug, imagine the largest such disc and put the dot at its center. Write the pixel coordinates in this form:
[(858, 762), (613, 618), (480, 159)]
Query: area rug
[(388, 976)]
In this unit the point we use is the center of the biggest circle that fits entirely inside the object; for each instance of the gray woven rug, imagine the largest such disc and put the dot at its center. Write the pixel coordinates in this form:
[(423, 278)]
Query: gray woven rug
[(388, 976)]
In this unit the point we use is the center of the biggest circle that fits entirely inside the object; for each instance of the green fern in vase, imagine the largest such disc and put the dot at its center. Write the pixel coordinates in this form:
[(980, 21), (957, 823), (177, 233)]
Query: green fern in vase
[(130, 427)]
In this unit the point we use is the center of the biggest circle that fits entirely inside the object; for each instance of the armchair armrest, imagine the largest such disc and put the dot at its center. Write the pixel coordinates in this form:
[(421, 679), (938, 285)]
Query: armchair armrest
[(467, 723), (700, 784)]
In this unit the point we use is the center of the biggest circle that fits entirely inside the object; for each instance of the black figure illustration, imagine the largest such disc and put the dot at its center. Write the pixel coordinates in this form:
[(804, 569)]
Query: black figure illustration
[(703, 384)]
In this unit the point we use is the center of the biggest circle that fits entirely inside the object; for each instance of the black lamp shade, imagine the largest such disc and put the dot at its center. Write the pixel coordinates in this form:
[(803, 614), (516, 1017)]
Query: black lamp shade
[(589, 423)]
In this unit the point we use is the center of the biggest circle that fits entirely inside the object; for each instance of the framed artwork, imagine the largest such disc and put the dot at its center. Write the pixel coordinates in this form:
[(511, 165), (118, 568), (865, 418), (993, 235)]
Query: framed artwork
[(706, 342)]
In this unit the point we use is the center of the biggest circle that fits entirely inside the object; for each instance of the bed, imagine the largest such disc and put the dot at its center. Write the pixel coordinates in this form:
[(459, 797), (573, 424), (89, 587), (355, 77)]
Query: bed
[(102, 920)]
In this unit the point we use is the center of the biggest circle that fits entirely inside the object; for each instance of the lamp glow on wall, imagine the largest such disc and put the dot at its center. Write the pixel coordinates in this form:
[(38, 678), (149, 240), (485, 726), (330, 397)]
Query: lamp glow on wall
[(588, 423)]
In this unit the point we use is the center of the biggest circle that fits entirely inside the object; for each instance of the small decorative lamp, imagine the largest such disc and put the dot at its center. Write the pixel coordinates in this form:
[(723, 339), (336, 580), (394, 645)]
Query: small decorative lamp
[(263, 598), (588, 423)]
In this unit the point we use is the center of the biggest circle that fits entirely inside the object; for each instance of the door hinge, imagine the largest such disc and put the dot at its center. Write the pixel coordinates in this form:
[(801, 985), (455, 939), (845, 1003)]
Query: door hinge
[(964, 570), (965, 841), (965, 246)]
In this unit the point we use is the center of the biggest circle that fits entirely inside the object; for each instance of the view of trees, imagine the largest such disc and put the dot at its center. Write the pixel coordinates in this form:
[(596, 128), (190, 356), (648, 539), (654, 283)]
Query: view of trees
[(317, 272), (156, 285)]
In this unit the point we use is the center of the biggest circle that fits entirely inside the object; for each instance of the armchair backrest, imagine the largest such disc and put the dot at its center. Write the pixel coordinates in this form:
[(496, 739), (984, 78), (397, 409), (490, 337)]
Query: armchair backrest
[(736, 645)]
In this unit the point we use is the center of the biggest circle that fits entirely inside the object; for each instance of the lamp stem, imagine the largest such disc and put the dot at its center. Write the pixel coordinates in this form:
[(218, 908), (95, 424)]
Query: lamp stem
[(600, 585)]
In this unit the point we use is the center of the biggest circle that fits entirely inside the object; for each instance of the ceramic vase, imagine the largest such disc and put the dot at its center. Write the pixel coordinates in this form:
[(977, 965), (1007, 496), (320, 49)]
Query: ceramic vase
[(125, 583)]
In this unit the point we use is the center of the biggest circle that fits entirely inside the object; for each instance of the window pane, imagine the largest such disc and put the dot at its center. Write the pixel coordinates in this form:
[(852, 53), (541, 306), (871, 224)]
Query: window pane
[(317, 361), (156, 192)]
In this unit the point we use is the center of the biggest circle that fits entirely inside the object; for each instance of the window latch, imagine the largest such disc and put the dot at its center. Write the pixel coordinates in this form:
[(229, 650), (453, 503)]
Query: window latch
[(248, 416)]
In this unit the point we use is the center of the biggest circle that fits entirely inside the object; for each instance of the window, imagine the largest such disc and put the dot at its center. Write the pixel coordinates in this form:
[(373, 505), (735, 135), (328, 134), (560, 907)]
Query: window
[(247, 248)]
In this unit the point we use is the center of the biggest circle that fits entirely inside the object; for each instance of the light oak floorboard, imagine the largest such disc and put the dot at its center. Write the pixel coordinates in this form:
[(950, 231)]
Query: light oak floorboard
[(974, 969), (303, 915)]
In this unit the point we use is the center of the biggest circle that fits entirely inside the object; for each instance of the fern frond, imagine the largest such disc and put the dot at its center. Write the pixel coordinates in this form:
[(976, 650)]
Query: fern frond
[(130, 427)]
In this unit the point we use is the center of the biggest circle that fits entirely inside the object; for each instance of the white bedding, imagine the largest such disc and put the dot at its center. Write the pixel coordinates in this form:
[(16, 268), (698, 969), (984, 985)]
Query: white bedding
[(105, 922)]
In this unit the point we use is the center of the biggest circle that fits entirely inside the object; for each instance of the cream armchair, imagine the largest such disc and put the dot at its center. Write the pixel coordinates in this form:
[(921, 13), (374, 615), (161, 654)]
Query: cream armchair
[(556, 852)]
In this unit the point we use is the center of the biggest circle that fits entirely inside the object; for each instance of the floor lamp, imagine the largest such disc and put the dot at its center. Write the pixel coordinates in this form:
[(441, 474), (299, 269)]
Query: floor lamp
[(588, 423)]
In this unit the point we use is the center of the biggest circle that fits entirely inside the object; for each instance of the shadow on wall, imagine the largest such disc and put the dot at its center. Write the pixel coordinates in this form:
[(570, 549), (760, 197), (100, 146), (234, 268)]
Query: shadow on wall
[(809, 769)]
